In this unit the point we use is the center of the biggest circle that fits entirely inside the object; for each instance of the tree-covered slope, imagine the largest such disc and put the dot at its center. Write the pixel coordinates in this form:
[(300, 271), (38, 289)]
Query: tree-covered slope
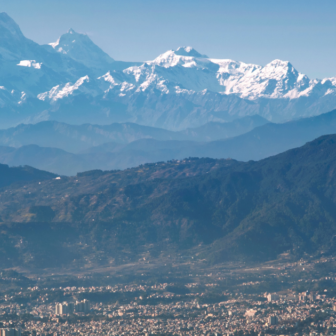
[(9, 175), (212, 209)]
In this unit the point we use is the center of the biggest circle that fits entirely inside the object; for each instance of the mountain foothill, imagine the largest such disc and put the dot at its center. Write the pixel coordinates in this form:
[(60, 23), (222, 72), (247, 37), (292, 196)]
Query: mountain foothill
[(212, 209), (105, 160)]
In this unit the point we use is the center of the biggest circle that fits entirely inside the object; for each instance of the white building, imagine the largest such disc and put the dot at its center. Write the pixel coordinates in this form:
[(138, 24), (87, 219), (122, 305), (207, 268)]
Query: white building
[(272, 297), (64, 308)]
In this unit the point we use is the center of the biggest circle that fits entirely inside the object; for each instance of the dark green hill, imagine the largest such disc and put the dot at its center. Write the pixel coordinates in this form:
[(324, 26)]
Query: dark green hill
[(213, 209), (9, 175)]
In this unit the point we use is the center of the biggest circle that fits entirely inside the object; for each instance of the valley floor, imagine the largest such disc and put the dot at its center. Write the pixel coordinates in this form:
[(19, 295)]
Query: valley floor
[(184, 298)]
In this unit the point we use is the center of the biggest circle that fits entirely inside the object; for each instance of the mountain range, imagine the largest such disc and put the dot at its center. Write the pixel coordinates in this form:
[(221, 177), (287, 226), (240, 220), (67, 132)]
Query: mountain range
[(67, 149), (207, 209), (73, 81), (76, 138)]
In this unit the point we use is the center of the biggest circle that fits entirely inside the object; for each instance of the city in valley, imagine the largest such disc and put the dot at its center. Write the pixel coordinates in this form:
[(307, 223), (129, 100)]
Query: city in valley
[(148, 187), (275, 298)]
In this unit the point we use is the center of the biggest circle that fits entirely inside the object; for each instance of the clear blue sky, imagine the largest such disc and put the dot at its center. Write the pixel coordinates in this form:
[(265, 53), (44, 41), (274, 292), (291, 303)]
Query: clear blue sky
[(255, 31)]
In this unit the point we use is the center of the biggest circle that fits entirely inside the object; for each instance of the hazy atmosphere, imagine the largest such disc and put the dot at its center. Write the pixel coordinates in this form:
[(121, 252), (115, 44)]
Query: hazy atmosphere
[(167, 168)]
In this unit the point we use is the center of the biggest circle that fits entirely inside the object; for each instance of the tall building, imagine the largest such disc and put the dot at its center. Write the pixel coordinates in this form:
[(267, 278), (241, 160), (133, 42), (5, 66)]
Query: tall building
[(64, 308), (272, 320), (58, 309), (272, 297), (71, 307), (10, 332), (82, 306), (79, 307), (86, 304)]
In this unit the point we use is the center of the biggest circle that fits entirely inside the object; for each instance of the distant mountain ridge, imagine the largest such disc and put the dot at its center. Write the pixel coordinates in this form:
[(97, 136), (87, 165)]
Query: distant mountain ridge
[(74, 81), (77, 138), (154, 145)]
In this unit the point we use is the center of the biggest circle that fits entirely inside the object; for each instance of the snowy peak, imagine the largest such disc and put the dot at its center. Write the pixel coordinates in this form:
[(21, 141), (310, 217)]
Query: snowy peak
[(71, 40), (183, 56), (187, 71), (81, 48), (279, 66), (69, 73), (189, 51), (279, 63), (82, 85)]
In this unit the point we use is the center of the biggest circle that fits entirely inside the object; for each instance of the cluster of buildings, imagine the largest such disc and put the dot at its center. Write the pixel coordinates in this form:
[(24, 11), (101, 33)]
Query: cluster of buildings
[(286, 314), (10, 332), (71, 307), (147, 309)]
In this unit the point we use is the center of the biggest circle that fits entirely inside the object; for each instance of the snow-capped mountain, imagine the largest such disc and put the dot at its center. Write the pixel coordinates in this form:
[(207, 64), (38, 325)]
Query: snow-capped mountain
[(176, 91), (29, 67), (80, 48), (73, 80), (173, 72)]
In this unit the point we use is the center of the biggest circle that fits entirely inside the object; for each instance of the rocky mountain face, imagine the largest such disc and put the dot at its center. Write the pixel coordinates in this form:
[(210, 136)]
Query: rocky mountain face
[(74, 81), (80, 48)]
